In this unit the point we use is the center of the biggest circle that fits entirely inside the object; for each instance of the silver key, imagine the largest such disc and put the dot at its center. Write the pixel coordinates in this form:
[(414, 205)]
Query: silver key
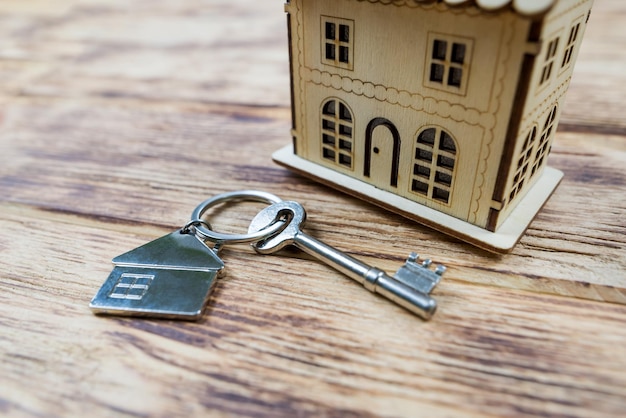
[(409, 288)]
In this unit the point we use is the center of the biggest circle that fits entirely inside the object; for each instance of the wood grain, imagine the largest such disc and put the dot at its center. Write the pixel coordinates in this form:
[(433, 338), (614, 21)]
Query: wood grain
[(118, 117)]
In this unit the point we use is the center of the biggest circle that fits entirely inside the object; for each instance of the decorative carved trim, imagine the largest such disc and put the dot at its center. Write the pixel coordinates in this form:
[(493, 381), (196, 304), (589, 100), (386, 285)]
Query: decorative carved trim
[(391, 95), (505, 48)]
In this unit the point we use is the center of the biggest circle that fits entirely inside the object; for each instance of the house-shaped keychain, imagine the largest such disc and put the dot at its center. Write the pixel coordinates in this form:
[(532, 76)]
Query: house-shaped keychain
[(442, 111), (170, 277)]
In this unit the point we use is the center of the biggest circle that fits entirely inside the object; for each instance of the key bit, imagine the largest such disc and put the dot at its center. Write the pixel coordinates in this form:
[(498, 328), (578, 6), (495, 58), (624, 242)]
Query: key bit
[(418, 275), (409, 288)]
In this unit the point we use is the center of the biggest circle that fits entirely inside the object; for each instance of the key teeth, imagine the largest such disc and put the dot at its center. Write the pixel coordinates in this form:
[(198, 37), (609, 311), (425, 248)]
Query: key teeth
[(415, 258), (416, 274)]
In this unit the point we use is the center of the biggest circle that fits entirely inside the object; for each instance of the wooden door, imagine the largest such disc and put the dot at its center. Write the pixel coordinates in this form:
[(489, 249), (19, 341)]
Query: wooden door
[(382, 154)]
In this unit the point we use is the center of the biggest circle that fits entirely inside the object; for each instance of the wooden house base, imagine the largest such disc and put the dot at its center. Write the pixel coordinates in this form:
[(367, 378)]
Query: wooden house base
[(501, 241)]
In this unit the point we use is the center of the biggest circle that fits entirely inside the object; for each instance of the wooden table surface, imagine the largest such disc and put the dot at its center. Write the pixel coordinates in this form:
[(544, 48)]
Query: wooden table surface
[(118, 117)]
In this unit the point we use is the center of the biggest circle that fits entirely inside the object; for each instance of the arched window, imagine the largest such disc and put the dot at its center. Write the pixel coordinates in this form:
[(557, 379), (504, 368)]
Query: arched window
[(534, 152), (337, 131), (434, 163), (524, 160), (546, 135)]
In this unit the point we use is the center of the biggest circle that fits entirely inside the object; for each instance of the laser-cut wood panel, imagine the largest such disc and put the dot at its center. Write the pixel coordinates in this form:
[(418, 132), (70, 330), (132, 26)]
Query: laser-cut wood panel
[(100, 153), (484, 81)]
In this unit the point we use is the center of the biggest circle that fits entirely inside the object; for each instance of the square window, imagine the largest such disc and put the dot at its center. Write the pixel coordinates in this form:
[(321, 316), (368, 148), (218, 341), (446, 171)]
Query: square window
[(330, 52), (567, 57), (553, 47), (439, 49), (436, 72), (458, 53), (344, 33), (337, 42), (572, 35), (328, 139), (548, 71), (548, 51), (448, 63), (344, 55), (455, 76), (330, 31)]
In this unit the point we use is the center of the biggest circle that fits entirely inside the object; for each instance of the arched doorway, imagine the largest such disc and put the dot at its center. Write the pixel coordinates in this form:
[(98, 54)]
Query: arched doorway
[(382, 153)]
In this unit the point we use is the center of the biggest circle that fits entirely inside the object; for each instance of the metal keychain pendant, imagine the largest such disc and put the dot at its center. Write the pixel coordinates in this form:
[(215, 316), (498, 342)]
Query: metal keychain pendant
[(170, 277), (173, 276)]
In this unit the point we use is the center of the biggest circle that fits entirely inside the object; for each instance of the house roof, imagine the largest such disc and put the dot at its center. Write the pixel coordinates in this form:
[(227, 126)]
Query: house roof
[(524, 7), (175, 251)]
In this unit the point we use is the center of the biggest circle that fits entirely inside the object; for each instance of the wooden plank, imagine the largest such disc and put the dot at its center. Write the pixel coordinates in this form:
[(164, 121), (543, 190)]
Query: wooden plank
[(217, 51), (109, 138), (565, 251), (279, 344)]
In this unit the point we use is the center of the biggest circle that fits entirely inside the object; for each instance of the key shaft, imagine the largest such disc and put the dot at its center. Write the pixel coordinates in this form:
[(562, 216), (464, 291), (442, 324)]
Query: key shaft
[(409, 288), (372, 278)]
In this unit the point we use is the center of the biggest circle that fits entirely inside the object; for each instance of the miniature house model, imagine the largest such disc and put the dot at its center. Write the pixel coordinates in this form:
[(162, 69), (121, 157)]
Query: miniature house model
[(443, 111)]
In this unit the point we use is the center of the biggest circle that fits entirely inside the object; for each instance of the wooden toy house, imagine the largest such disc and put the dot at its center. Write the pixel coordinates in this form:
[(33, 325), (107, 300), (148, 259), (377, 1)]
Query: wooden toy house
[(443, 111)]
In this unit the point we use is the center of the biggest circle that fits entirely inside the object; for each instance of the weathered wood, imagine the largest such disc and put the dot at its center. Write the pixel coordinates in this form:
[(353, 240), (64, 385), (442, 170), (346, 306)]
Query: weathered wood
[(199, 51), (109, 137), (444, 114), (288, 342), (90, 171)]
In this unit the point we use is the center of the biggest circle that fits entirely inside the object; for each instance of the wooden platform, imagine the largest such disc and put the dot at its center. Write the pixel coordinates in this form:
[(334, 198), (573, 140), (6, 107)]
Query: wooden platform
[(502, 241), (118, 117)]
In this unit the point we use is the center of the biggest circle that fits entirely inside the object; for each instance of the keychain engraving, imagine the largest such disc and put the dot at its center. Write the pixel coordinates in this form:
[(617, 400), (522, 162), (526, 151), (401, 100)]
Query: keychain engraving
[(173, 276)]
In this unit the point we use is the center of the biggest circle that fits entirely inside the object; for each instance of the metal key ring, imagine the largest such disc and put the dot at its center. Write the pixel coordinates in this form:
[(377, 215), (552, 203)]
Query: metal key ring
[(242, 195)]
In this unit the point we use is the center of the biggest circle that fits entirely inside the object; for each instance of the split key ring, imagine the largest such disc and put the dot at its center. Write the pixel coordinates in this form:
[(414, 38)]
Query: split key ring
[(204, 230)]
